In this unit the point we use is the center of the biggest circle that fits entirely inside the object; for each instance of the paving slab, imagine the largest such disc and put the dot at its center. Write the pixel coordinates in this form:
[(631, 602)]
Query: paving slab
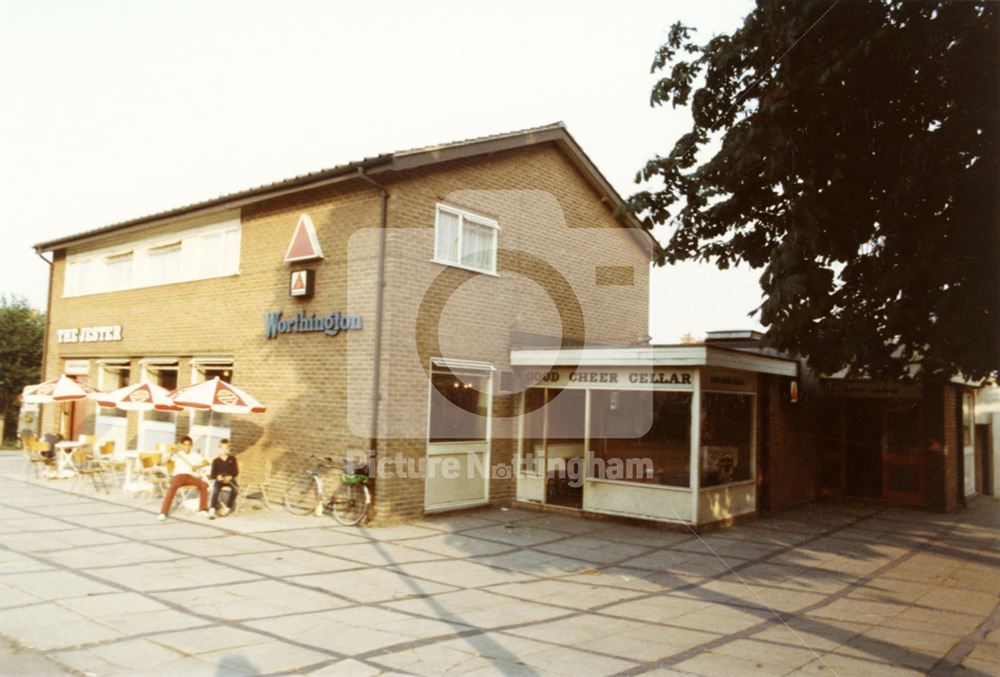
[(102, 587)]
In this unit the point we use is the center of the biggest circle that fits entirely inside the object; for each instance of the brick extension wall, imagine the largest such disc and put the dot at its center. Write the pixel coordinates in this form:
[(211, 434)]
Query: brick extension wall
[(792, 449)]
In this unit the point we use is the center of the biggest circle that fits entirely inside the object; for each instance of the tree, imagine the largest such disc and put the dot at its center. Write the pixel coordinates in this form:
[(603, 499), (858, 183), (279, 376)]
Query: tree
[(850, 150), (22, 333)]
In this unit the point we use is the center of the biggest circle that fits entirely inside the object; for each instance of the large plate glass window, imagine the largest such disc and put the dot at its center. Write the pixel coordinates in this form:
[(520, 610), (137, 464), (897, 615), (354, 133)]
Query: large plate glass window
[(111, 423), (726, 438), (158, 427), (642, 436), (465, 240), (460, 405), (208, 428), (115, 375)]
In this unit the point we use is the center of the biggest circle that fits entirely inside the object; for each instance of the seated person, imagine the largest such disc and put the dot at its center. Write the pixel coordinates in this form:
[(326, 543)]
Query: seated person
[(51, 439), (224, 472), (186, 462)]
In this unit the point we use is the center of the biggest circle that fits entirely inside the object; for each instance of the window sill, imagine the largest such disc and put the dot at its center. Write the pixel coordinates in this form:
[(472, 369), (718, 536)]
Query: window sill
[(149, 285), (449, 264), (728, 485), (640, 485)]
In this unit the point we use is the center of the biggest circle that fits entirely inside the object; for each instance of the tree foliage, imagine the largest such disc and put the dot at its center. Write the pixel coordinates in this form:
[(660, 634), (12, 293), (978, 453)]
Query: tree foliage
[(850, 151), (22, 333)]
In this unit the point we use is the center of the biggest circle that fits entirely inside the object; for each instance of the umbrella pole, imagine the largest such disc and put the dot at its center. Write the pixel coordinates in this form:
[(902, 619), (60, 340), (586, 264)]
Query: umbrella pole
[(208, 432)]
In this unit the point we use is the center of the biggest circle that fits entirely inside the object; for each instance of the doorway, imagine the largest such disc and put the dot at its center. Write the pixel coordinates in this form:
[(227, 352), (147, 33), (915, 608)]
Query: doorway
[(984, 466), (863, 448)]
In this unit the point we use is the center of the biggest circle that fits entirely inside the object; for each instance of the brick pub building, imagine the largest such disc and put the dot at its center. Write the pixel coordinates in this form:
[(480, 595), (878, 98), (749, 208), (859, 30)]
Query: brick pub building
[(473, 317)]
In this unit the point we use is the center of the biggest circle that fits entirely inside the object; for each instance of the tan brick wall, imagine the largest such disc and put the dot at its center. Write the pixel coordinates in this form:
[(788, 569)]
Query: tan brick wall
[(308, 379)]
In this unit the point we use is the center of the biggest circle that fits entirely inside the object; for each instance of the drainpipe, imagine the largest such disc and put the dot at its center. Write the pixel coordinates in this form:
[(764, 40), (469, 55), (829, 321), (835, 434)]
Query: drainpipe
[(48, 320), (379, 293)]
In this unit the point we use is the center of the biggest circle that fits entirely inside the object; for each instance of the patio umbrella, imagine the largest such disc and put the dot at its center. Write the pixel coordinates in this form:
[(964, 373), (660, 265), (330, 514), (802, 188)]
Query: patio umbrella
[(59, 390), (137, 397), (215, 395), (62, 389)]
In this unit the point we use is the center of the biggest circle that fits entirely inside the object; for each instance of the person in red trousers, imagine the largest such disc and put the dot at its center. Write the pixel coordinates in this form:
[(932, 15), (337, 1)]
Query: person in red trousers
[(186, 463)]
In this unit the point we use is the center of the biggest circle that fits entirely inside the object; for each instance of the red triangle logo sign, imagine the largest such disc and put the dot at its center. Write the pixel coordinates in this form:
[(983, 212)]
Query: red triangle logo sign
[(304, 245), (300, 281)]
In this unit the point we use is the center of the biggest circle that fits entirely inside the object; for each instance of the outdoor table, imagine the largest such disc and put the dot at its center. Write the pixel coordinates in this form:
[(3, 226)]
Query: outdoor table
[(132, 465), (64, 458)]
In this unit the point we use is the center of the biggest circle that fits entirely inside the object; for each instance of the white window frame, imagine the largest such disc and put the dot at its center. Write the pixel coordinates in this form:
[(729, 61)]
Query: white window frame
[(105, 366), (149, 367), (463, 216), (87, 271), (484, 446)]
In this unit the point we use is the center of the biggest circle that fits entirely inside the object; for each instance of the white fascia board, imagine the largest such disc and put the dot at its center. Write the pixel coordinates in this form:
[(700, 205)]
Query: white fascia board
[(667, 356), (762, 364)]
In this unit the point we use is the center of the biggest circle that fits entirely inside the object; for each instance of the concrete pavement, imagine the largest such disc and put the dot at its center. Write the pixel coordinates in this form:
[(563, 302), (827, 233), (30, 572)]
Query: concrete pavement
[(91, 584)]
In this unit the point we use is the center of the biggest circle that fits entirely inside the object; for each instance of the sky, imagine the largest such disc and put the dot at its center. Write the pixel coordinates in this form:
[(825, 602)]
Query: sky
[(114, 109)]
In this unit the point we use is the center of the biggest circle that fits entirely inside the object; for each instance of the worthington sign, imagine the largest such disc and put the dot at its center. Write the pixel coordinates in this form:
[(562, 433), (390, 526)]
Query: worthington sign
[(331, 324)]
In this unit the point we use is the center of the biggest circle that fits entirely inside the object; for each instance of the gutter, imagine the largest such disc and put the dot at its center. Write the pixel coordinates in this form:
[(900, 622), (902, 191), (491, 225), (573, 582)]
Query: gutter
[(379, 295), (48, 321), (223, 203)]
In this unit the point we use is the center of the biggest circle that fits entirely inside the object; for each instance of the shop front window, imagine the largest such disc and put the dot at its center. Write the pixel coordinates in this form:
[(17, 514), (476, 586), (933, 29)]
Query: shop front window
[(114, 377), (167, 379), (726, 438), (210, 418), (641, 436), (533, 444), (459, 408)]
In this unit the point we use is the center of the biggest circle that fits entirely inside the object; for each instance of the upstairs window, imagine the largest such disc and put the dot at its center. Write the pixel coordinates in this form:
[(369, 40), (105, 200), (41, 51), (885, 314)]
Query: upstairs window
[(465, 240), (163, 263), (118, 269), (194, 254)]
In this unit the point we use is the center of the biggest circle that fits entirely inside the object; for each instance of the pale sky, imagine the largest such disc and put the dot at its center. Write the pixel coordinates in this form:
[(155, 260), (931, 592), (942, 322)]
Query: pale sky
[(112, 109)]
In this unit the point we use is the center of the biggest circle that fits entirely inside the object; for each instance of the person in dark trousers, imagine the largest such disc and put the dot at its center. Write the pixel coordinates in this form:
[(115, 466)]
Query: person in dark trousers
[(224, 472)]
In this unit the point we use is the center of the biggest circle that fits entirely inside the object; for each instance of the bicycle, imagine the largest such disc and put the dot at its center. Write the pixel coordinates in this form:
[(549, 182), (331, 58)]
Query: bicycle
[(306, 493)]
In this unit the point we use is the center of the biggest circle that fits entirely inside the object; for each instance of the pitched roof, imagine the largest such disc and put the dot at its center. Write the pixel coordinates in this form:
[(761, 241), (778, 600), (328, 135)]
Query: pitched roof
[(395, 161)]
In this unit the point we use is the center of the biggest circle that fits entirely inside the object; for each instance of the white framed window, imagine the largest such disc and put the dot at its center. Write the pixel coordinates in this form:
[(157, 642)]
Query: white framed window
[(118, 270), (163, 263), (193, 254), (112, 375), (461, 401), (465, 240)]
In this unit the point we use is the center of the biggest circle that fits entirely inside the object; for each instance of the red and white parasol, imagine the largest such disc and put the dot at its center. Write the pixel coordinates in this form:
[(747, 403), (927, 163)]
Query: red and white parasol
[(216, 395), (62, 389), (138, 397)]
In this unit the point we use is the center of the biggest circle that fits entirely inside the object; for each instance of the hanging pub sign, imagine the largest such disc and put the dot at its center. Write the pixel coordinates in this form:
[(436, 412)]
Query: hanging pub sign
[(873, 389), (302, 322), (302, 283)]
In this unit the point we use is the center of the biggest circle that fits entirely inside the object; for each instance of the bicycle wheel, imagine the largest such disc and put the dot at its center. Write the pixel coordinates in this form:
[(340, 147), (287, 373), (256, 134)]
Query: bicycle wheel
[(302, 495), (350, 504)]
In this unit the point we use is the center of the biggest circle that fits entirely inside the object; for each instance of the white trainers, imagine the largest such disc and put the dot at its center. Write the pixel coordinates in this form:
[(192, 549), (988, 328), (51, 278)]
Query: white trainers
[(211, 514), (162, 517)]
